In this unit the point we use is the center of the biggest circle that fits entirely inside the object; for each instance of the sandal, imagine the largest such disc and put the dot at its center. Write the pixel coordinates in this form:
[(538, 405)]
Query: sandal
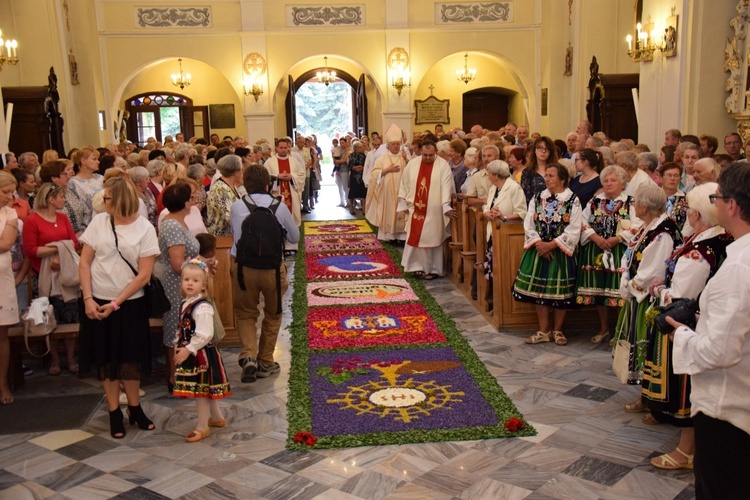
[(419, 274), (538, 338), (197, 435), (54, 370), (73, 368), (669, 463), (559, 338), (649, 419), (217, 423), (599, 337), (636, 407), (430, 277)]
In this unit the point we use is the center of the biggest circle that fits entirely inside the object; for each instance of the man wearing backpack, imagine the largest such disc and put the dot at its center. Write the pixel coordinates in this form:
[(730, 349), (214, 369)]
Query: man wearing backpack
[(258, 268)]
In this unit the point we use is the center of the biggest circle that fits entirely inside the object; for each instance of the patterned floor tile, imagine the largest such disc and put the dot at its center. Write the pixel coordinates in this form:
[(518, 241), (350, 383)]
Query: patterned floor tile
[(596, 470), (585, 391)]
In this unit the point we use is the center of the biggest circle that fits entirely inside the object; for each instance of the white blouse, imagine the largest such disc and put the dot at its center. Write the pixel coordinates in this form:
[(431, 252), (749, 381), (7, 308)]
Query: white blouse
[(511, 200)]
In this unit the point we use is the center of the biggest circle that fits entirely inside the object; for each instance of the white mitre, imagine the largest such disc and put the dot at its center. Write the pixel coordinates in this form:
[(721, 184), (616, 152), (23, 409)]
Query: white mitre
[(393, 134)]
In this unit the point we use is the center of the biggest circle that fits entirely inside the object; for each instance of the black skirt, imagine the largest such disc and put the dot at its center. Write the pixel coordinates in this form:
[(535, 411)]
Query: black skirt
[(117, 347)]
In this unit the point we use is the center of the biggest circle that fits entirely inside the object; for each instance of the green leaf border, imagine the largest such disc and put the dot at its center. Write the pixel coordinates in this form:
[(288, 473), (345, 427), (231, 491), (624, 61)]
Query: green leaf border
[(299, 399)]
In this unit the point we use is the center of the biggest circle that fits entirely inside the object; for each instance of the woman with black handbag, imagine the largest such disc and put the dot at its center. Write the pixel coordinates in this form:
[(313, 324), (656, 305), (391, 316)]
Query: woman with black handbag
[(114, 332)]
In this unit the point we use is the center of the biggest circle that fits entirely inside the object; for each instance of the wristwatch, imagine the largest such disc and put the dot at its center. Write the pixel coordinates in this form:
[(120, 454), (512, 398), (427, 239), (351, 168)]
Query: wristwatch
[(505, 219)]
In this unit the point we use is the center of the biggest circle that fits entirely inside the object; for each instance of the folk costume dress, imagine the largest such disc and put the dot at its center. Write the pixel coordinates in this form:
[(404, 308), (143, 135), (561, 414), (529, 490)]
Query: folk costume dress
[(552, 282), (201, 375), (599, 272), (643, 263), (677, 208), (689, 268)]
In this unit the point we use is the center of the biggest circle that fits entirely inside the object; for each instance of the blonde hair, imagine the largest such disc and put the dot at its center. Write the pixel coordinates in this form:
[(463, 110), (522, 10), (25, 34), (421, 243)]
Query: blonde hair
[(6, 179), (115, 172), (83, 153), (198, 266), (124, 196), (45, 191)]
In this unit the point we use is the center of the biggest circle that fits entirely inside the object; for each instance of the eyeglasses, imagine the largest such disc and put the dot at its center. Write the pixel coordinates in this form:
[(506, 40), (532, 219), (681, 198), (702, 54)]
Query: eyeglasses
[(713, 197), (542, 148), (672, 176)]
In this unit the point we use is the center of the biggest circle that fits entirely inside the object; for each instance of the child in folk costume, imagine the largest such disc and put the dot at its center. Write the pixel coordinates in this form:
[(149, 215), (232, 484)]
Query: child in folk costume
[(200, 370)]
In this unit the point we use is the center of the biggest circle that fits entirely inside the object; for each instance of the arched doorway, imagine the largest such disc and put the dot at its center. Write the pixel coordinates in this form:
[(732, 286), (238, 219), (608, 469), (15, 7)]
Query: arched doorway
[(354, 104), (161, 114)]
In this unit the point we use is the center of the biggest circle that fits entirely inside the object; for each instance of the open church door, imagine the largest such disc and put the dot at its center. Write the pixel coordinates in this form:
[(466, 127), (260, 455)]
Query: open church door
[(360, 107), (291, 110)]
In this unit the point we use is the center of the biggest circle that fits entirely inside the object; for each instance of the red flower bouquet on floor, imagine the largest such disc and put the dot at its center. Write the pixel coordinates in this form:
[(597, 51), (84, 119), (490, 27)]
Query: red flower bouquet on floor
[(514, 424), (305, 438)]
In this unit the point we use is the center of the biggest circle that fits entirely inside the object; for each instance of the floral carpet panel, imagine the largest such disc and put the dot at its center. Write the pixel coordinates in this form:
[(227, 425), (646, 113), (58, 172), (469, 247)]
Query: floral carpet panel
[(374, 359)]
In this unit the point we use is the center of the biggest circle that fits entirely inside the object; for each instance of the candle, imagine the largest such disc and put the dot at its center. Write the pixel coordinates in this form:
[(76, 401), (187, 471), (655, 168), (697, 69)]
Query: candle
[(630, 43)]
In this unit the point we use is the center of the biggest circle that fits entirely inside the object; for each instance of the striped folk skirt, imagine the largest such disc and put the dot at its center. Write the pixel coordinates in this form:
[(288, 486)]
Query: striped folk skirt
[(664, 392), (631, 326), (202, 376), (597, 285), (546, 282)]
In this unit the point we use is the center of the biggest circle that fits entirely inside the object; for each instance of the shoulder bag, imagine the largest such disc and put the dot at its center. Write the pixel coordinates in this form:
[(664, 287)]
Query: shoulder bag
[(157, 300)]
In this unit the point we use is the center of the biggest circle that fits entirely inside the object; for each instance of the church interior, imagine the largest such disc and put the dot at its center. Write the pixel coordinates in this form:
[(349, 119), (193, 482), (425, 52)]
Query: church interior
[(634, 68)]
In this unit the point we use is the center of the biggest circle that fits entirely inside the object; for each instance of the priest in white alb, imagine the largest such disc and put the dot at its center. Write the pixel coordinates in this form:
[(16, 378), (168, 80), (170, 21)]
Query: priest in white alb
[(426, 189), (382, 193), (291, 177)]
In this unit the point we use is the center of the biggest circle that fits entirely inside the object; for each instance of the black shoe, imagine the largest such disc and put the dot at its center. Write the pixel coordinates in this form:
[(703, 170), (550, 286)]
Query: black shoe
[(249, 369), (305, 211), (116, 424), (136, 415), (267, 370), (27, 372)]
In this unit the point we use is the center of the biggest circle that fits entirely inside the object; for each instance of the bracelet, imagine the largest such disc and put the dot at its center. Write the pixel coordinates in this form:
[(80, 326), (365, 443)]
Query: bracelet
[(87, 297), (114, 305)]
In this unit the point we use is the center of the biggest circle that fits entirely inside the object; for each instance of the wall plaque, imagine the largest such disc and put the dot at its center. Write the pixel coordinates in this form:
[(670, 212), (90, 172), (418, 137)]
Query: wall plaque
[(221, 115), (432, 110), (172, 17), (325, 15), (473, 12)]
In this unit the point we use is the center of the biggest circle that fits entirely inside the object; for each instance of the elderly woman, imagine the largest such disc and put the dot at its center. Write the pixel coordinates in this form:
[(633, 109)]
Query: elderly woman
[(470, 160), (88, 181), (357, 189), (533, 179), (222, 194), (457, 151), (48, 225), (197, 172), (643, 263), (689, 268), (8, 300), (648, 162), (193, 219), (505, 202), (547, 274), (671, 173), (139, 177), (177, 245), (588, 164), (119, 248), (608, 221)]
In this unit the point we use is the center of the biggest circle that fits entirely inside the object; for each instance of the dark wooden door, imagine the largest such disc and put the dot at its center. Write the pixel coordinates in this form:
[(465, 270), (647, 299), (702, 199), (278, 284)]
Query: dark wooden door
[(291, 109), (360, 107), (197, 122), (486, 108)]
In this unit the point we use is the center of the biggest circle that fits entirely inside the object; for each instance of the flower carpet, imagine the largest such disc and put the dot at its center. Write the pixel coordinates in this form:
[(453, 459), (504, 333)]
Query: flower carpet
[(375, 360)]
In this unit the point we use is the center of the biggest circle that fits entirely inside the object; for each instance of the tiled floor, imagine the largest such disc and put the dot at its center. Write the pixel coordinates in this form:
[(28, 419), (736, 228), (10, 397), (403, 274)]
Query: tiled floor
[(587, 446)]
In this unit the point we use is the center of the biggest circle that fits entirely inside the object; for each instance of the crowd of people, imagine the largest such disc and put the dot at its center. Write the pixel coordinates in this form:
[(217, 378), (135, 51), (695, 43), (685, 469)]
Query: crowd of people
[(607, 223)]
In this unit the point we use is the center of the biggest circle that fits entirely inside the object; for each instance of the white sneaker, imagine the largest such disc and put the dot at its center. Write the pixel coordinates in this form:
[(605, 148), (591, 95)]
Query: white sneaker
[(124, 397)]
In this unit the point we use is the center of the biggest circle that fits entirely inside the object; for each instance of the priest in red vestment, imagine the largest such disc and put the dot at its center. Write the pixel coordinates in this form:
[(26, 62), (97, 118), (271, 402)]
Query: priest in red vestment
[(291, 177), (425, 192)]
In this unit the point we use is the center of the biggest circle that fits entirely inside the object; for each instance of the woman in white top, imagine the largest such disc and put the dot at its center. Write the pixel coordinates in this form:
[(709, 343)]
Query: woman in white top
[(8, 301), (114, 332), (87, 181), (505, 202)]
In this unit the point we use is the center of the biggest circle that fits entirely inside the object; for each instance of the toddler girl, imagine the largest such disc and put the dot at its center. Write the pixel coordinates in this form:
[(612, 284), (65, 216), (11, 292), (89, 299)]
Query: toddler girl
[(200, 371)]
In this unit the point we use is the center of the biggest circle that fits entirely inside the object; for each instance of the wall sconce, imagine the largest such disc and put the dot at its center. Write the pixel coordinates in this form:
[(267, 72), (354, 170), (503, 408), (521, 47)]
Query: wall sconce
[(648, 40), (11, 51), (401, 79), (251, 87)]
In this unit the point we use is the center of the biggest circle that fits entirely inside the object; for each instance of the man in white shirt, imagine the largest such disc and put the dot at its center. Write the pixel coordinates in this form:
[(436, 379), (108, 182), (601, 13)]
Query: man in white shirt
[(717, 354)]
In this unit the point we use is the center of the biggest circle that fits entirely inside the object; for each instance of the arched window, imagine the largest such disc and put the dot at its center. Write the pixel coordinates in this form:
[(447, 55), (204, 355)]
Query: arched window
[(159, 114)]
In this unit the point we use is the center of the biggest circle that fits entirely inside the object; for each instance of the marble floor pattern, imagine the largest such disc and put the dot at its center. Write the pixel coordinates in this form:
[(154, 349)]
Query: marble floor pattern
[(587, 446)]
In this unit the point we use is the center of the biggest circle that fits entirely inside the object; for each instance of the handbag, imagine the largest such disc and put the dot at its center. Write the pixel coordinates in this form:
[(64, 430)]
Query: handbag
[(621, 357), (219, 331), (43, 329), (156, 298)]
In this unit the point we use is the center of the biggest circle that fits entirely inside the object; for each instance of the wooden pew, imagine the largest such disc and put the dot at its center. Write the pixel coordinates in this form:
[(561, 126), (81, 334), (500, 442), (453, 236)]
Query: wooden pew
[(468, 254), (480, 224), (456, 244)]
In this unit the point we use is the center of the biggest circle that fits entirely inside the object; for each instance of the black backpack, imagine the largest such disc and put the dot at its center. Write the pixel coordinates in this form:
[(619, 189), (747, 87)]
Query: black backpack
[(261, 244)]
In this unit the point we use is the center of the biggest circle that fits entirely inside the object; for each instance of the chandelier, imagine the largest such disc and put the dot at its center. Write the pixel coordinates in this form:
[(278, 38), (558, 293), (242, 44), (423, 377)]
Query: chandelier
[(181, 80), (327, 77), (466, 75), (11, 51)]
